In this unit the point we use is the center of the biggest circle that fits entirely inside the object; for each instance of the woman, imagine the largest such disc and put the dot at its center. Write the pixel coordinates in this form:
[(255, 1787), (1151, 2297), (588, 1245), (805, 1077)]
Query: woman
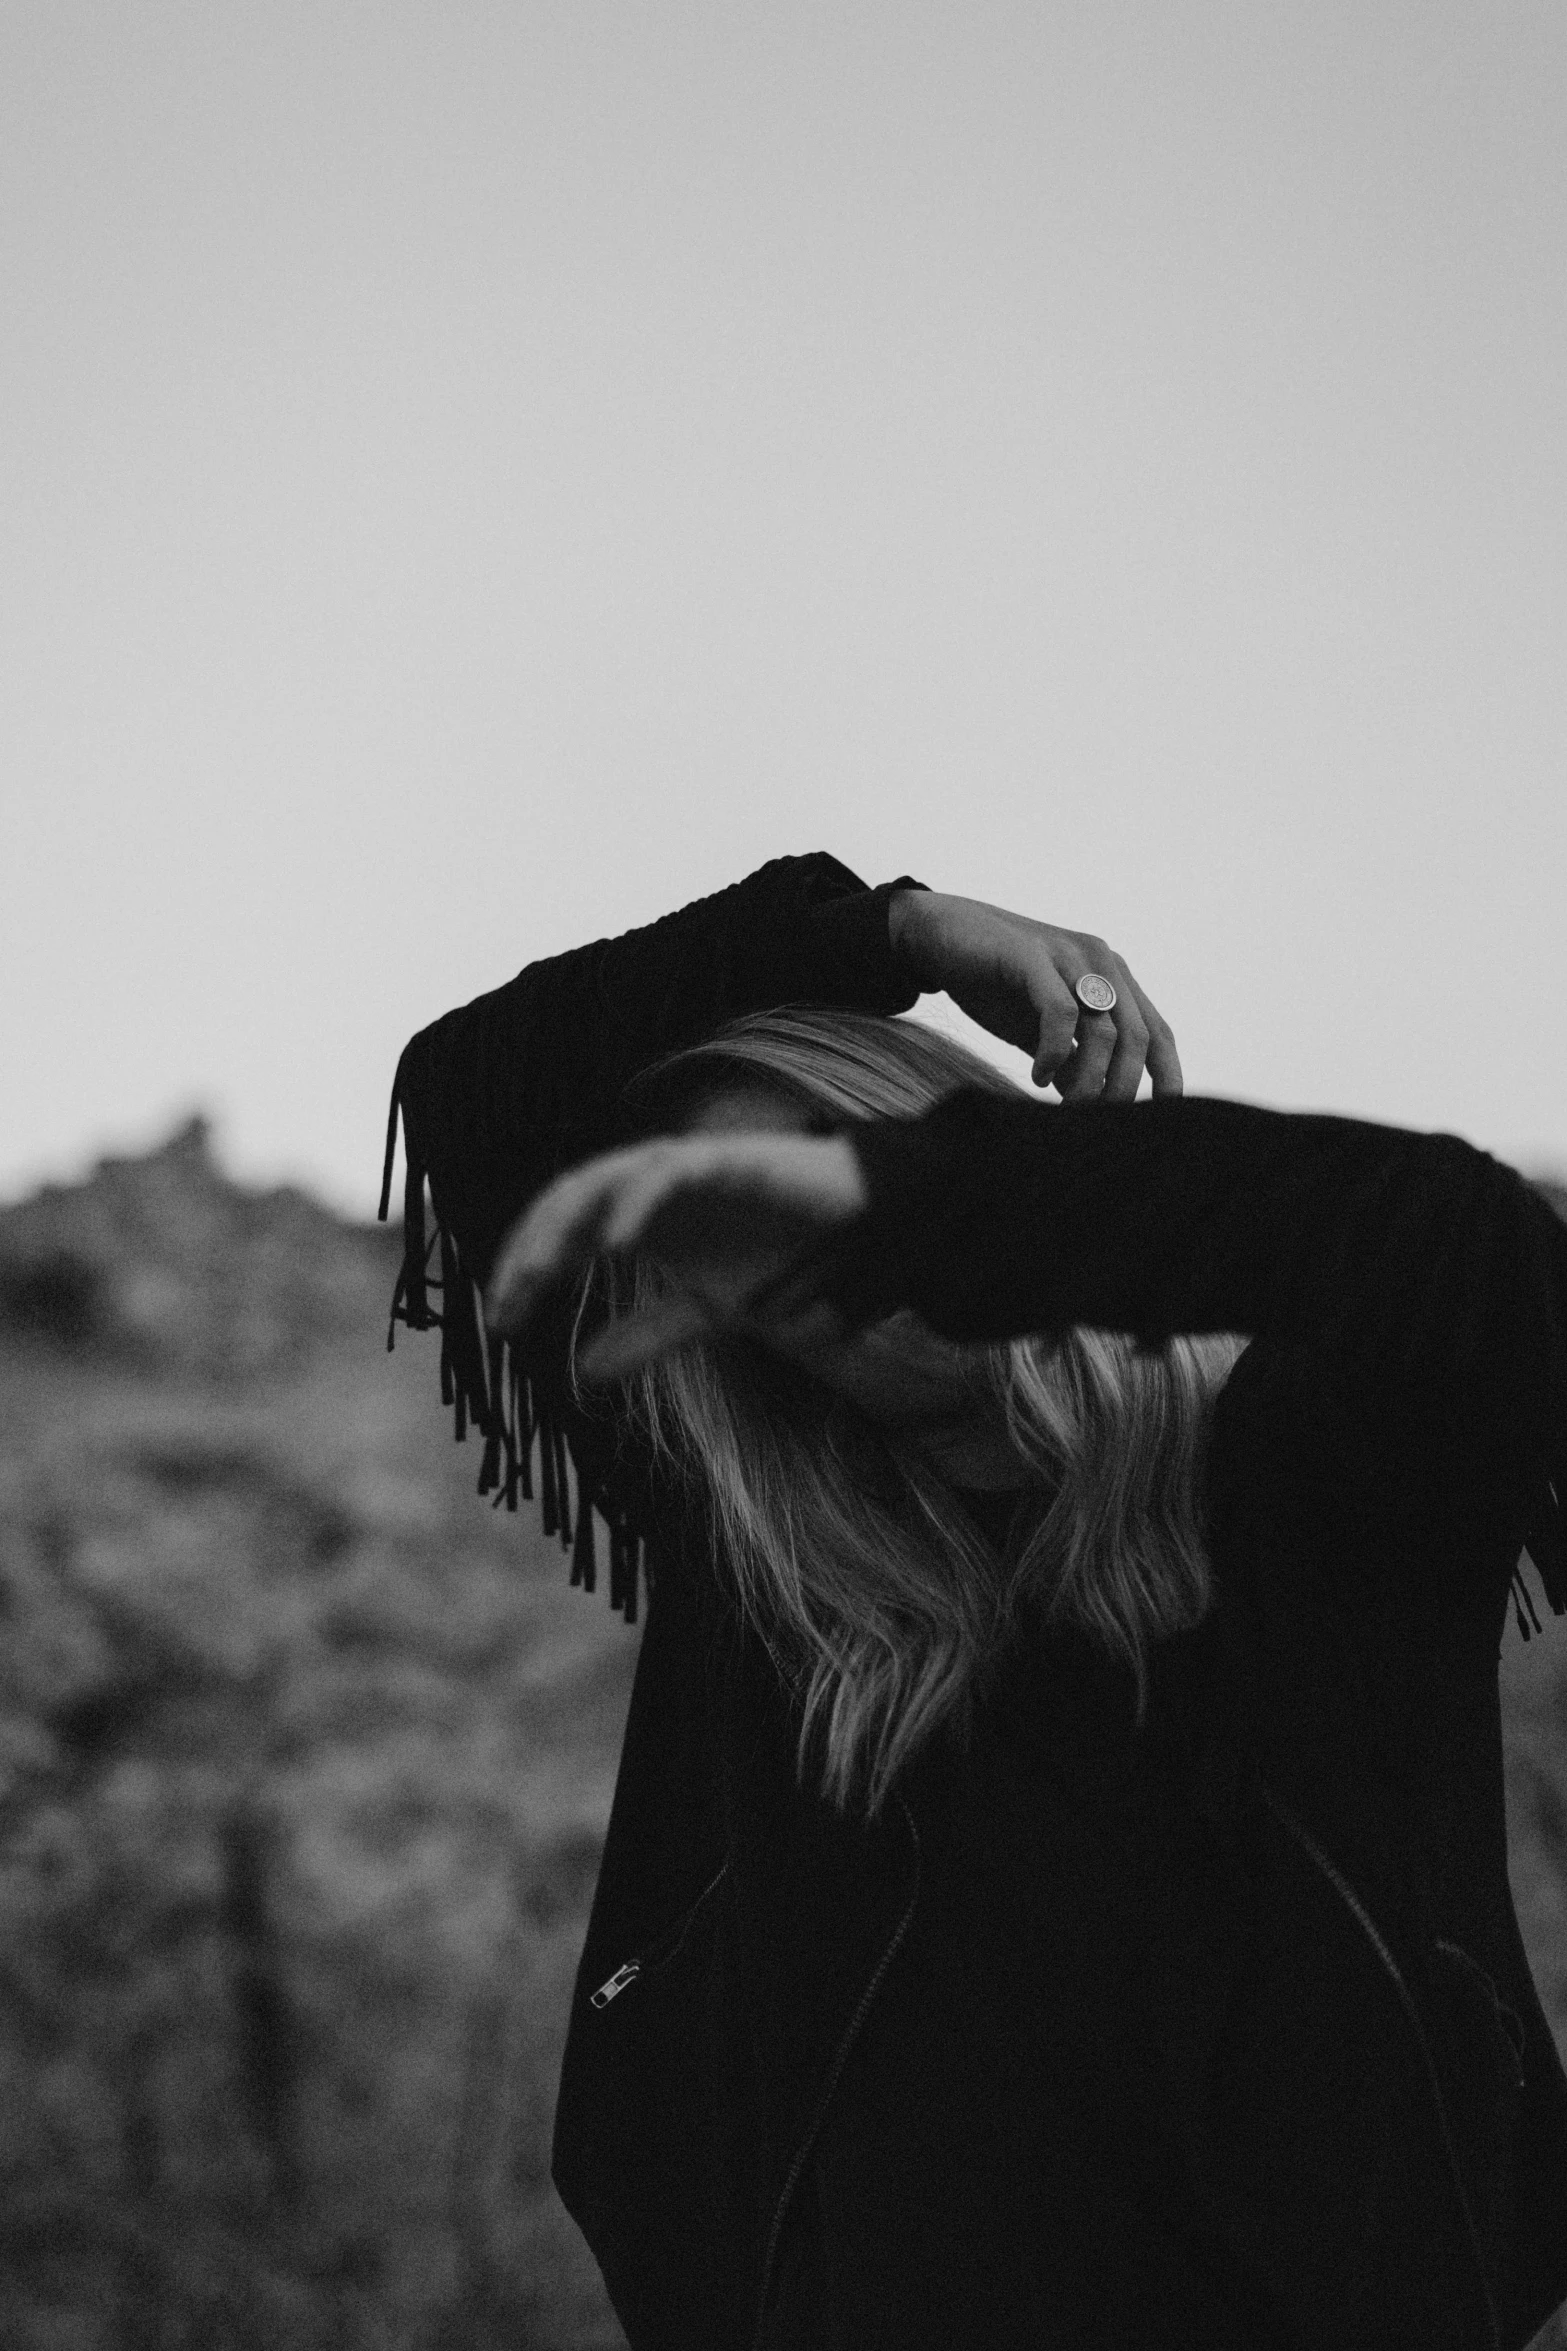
[(1056, 1887)]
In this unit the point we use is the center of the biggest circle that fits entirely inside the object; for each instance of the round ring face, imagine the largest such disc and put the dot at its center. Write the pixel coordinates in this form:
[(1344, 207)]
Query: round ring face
[(1094, 993)]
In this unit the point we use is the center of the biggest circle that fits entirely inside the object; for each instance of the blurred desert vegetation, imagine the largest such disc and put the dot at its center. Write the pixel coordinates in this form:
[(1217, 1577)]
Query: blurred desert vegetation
[(305, 1760)]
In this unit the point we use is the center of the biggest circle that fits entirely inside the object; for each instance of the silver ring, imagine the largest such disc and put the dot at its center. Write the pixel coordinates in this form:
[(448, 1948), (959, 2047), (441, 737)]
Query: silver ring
[(1094, 992)]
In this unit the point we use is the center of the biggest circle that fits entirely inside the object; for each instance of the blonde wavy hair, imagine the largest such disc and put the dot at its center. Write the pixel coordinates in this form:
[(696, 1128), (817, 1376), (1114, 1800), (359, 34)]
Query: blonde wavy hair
[(882, 1604)]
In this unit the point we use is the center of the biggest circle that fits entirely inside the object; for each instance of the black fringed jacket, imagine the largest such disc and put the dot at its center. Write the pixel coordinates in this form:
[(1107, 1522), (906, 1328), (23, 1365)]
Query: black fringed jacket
[(1363, 2101)]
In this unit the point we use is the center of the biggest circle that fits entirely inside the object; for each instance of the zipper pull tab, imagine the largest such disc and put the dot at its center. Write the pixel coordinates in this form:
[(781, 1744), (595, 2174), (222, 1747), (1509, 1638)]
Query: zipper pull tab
[(616, 1983)]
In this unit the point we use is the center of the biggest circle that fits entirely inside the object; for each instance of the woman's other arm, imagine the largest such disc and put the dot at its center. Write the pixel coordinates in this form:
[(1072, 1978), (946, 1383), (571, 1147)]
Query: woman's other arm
[(1411, 1285), (499, 1094)]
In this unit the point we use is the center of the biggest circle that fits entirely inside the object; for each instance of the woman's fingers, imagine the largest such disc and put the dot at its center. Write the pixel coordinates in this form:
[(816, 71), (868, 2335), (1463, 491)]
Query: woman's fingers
[(1144, 1039), (1112, 1049), (558, 1234), (781, 1312), (1083, 1078), (1058, 1013), (632, 1340), (1164, 1062), (1130, 1055), (719, 1209), (1090, 1056)]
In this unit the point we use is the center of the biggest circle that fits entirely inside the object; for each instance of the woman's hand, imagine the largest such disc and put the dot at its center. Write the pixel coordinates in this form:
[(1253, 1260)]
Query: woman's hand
[(1016, 977), (738, 1220)]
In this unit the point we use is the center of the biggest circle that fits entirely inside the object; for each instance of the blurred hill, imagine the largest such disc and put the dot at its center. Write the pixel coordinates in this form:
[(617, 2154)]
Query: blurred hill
[(305, 1760)]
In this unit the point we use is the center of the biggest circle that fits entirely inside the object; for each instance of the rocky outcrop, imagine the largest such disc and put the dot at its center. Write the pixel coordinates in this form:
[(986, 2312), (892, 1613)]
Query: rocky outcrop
[(163, 1264), (305, 1757)]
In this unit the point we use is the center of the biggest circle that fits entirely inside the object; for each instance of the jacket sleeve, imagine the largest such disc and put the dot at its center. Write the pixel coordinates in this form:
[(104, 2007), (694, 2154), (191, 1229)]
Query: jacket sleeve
[(1418, 1285), (500, 1095)]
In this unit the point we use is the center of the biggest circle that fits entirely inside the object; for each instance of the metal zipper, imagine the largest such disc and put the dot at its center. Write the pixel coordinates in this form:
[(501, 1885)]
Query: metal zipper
[(1357, 1910), (1506, 2017), (840, 2059), (655, 1953)]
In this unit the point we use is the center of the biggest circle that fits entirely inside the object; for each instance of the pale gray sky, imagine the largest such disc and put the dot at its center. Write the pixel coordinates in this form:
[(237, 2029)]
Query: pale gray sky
[(478, 476)]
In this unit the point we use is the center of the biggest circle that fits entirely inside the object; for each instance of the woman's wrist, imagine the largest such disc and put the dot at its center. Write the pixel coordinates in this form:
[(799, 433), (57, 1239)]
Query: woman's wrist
[(904, 910)]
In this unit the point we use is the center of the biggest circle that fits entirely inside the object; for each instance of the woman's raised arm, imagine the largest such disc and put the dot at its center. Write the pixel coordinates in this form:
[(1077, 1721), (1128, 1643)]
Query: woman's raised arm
[(499, 1095)]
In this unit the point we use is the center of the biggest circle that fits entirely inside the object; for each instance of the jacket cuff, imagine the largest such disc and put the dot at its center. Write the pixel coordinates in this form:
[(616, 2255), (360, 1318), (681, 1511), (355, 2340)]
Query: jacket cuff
[(854, 930)]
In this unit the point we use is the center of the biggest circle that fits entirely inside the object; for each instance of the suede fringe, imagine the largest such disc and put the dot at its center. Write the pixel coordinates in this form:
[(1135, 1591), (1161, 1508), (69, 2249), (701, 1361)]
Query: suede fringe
[(484, 1386)]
